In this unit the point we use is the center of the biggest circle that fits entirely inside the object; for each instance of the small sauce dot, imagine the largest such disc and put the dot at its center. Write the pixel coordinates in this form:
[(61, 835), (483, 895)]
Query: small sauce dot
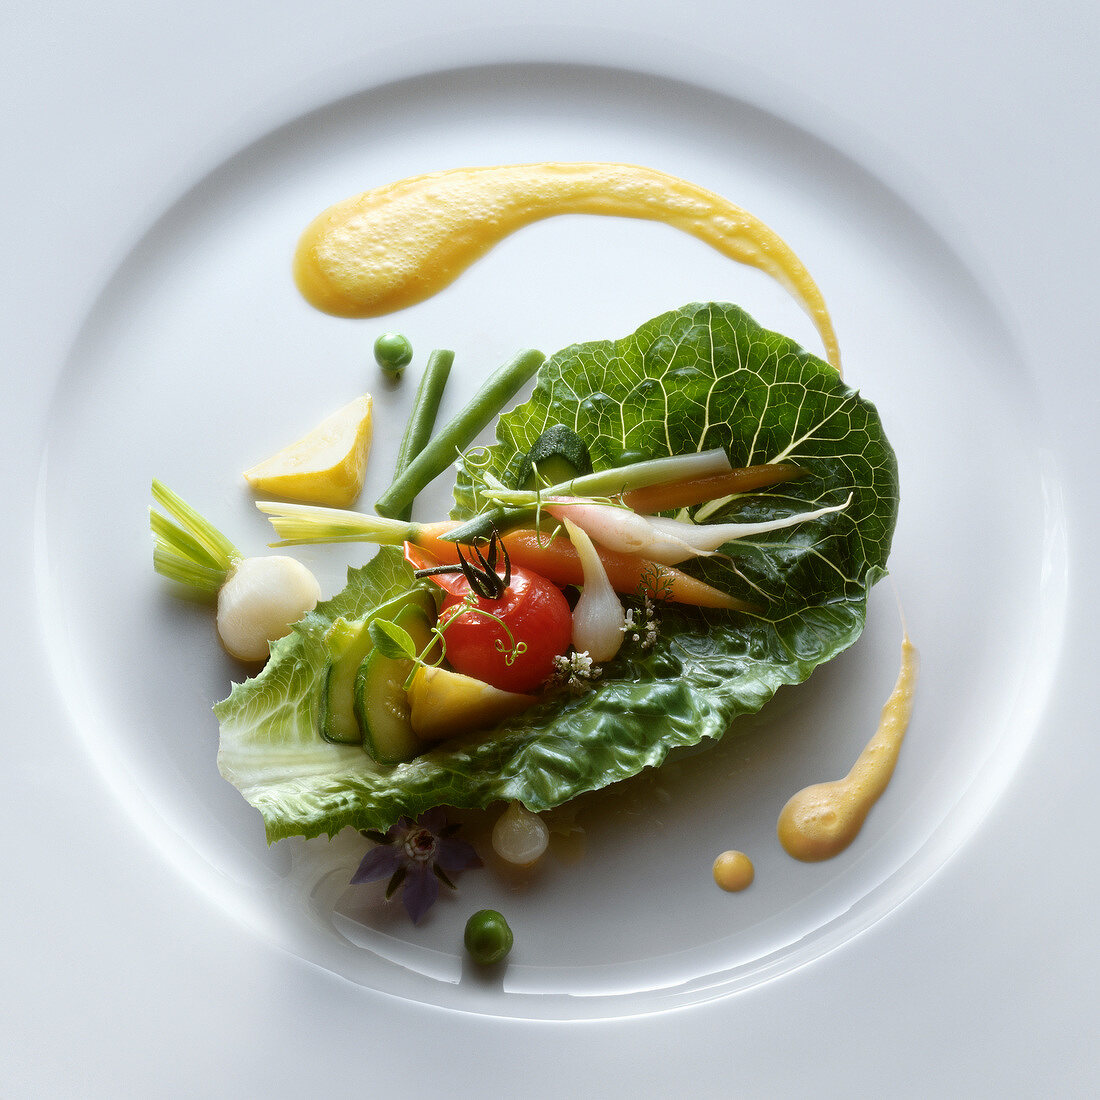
[(733, 871)]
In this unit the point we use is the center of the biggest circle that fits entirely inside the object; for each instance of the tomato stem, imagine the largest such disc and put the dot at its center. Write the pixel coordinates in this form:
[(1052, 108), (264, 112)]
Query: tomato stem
[(483, 578)]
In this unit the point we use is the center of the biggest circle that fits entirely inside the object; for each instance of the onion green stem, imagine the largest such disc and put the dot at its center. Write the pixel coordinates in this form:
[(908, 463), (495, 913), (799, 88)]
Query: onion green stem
[(296, 524), (620, 479), (189, 548), (512, 507)]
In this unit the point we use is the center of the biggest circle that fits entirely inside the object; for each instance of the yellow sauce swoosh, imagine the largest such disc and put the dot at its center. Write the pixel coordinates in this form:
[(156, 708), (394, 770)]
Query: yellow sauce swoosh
[(397, 245), (819, 822)]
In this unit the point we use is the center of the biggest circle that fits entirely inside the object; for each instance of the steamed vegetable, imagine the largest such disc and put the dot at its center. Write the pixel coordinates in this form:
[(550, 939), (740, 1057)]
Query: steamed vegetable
[(382, 708), (445, 704), (327, 465), (559, 454), (502, 627), (708, 490), (421, 421), (663, 540), (553, 557), (488, 938), (520, 837), (692, 380), (459, 433), (509, 507), (707, 377), (501, 508), (258, 599), (598, 618), (393, 352)]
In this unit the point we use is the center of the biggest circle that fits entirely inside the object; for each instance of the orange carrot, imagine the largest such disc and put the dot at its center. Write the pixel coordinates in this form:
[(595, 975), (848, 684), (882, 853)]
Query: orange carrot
[(557, 560), (684, 494)]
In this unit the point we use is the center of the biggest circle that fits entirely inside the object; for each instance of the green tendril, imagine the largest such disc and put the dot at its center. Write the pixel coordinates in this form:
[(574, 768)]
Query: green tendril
[(476, 463), (480, 458), (518, 649)]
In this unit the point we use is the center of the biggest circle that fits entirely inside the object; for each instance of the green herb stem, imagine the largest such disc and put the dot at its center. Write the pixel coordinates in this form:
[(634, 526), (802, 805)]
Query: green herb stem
[(459, 433), (418, 431)]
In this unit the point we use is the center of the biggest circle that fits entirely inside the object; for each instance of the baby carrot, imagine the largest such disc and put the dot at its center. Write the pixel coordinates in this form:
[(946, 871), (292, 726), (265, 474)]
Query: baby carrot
[(557, 560), (684, 494)]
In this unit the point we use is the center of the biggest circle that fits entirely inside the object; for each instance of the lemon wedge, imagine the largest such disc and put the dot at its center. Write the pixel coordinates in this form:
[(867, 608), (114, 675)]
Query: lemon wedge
[(325, 467)]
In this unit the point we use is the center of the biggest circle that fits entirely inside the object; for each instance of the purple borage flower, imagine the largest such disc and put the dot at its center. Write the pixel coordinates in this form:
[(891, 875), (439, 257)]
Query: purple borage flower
[(417, 856)]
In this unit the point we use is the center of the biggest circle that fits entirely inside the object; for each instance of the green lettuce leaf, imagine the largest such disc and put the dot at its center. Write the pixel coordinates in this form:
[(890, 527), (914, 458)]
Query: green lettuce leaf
[(699, 377)]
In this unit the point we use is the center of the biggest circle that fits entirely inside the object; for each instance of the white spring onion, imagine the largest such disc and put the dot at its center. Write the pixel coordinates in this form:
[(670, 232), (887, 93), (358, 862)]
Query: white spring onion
[(598, 619), (259, 599), (262, 598), (667, 541), (519, 836)]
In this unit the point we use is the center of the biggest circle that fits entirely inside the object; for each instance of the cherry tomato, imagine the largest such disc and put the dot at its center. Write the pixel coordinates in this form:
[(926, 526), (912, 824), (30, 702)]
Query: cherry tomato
[(536, 615), (539, 624)]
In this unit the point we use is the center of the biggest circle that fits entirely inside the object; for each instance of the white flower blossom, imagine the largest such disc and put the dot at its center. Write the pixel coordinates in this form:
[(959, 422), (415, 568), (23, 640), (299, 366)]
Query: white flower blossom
[(576, 672), (641, 626)]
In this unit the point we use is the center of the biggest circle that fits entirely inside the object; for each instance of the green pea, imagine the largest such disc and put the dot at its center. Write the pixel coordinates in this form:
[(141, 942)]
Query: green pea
[(393, 352), (488, 937)]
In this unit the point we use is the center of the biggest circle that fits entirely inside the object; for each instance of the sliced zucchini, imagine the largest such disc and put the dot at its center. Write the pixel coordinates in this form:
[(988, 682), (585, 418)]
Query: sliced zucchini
[(350, 643), (381, 705), (558, 455)]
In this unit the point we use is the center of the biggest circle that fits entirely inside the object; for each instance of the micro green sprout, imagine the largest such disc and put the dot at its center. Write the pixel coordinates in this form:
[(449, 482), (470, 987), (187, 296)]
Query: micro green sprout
[(395, 642)]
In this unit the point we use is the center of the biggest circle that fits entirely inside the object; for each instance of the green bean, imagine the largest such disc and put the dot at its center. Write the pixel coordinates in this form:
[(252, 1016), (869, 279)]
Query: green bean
[(460, 432), (418, 431)]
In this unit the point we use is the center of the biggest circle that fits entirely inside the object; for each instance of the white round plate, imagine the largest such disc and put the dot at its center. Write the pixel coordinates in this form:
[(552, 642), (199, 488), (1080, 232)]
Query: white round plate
[(199, 359), (196, 357)]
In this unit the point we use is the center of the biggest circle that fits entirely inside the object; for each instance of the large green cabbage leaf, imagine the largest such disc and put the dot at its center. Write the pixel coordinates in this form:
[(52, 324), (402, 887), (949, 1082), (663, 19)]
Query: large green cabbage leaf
[(699, 377)]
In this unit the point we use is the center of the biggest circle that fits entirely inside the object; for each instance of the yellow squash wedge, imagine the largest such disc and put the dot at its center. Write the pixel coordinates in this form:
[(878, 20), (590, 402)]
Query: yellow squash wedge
[(325, 467), (445, 704)]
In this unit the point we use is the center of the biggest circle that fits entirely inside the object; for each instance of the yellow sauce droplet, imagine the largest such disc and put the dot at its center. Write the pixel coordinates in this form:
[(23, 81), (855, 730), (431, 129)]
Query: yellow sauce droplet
[(397, 245), (733, 871), (821, 821)]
